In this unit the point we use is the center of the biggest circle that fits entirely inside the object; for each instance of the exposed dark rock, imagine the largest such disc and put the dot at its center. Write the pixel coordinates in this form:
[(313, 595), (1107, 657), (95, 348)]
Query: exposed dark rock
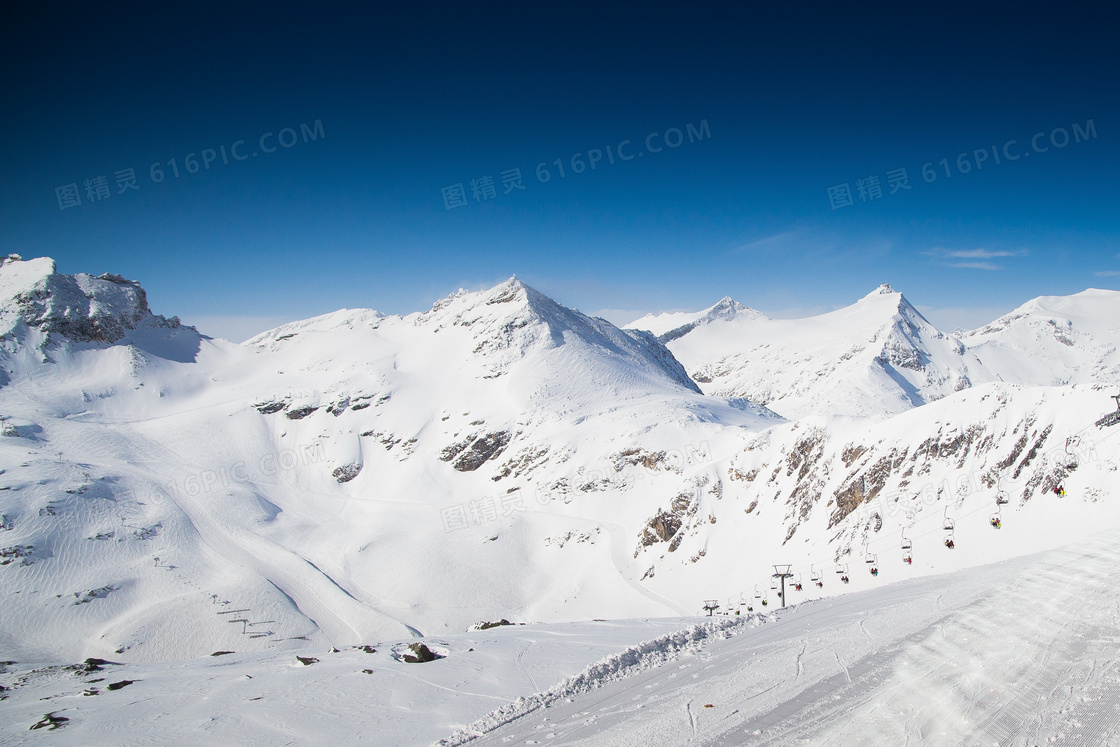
[(488, 625), (51, 722), (482, 450), (420, 654), (346, 472), (270, 408)]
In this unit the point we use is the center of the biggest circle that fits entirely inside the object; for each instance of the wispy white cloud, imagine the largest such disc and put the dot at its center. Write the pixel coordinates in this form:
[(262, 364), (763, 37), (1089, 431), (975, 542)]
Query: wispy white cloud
[(976, 266), (981, 254), (765, 243), (1107, 273), (975, 258)]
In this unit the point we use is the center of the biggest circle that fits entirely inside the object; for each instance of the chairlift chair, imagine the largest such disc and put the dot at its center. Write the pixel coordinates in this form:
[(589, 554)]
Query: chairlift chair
[(1071, 462), (1002, 498), (774, 583), (1111, 418), (757, 593), (841, 568), (906, 543), (995, 520)]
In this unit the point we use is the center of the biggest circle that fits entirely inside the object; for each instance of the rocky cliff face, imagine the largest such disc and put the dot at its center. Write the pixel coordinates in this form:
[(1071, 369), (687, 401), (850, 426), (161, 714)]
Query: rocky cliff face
[(78, 308)]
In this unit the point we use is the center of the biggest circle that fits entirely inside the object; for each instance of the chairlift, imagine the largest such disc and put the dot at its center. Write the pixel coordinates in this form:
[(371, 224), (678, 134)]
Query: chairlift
[(906, 543), (845, 578), (757, 593), (874, 571), (949, 541), (1002, 498), (871, 558), (815, 576), (774, 584), (841, 568), (948, 524), (1111, 418), (1071, 461), (995, 520), (907, 559)]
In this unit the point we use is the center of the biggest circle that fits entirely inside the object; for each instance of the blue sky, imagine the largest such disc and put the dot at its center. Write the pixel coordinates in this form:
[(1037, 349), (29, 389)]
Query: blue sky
[(784, 104)]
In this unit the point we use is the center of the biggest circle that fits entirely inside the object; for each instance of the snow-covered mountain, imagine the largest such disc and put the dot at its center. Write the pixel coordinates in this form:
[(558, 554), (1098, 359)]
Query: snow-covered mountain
[(357, 477), (670, 325), (876, 358), (1054, 340)]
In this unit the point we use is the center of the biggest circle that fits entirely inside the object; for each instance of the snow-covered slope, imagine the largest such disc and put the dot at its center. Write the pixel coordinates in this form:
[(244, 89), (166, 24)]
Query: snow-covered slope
[(1054, 340), (359, 477), (347, 477), (670, 325), (876, 358)]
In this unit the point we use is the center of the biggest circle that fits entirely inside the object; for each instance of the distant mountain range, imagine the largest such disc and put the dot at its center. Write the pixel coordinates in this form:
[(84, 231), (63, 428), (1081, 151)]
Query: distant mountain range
[(359, 477)]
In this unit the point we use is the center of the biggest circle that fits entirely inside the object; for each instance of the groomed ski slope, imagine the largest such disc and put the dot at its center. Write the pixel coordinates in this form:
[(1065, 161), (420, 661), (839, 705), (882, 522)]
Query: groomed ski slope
[(1023, 652)]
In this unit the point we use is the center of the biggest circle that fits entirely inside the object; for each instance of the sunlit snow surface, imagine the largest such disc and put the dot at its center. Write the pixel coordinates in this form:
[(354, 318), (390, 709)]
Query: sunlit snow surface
[(367, 480), (1023, 652)]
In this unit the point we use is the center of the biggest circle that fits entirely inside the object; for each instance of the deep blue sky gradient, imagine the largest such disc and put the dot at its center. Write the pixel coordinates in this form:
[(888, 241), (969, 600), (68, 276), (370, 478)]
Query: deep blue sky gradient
[(797, 99)]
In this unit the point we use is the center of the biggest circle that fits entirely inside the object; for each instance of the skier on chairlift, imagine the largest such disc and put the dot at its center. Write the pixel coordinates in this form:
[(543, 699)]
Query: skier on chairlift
[(1059, 490), (949, 543), (995, 522), (874, 572), (908, 560), (844, 578)]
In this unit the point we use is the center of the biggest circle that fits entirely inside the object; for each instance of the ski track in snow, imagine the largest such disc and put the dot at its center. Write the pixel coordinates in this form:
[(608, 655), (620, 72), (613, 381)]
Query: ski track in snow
[(1017, 653)]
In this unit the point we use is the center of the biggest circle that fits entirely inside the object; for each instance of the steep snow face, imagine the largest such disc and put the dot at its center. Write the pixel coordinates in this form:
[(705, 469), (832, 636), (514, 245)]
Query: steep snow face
[(1054, 340), (671, 325), (876, 358)]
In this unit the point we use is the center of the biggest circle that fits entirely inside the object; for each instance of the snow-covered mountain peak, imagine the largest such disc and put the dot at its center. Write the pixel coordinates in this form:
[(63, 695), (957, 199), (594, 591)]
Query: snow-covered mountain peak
[(35, 297), (670, 326), (1055, 339)]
